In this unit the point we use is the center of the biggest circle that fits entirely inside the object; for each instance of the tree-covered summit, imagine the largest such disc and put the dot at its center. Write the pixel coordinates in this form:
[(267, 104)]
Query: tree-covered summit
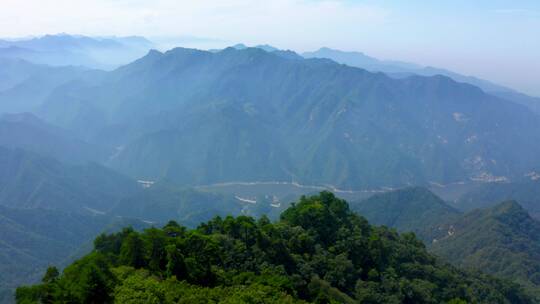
[(318, 252)]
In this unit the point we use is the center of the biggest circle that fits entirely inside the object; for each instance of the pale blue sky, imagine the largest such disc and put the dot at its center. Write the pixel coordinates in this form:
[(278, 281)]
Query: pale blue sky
[(496, 40)]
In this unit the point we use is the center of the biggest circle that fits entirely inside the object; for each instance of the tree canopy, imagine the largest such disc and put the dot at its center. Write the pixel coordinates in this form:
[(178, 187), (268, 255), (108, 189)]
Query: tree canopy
[(318, 252)]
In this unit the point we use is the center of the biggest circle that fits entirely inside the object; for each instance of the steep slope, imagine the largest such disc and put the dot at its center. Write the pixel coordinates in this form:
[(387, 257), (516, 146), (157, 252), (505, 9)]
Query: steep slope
[(313, 121), (163, 202), (502, 240), (24, 85), (28, 180), (412, 209), (27, 132), (32, 239), (318, 252)]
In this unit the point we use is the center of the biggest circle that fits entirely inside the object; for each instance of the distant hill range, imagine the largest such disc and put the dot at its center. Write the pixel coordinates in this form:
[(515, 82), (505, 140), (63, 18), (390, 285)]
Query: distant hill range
[(404, 69), (76, 50)]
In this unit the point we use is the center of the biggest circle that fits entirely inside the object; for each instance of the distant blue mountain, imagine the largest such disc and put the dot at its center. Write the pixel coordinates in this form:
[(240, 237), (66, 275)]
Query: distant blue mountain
[(399, 69), (62, 50), (197, 117)]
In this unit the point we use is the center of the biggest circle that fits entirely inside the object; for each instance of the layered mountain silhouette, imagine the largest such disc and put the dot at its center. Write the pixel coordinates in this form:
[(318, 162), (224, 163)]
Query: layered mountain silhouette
[(76, 50), (28, 180), (25, 85), (404, 69), (199, 117)]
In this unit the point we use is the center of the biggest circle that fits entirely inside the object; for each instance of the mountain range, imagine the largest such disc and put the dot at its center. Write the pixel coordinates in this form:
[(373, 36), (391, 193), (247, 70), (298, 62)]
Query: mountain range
[(76, 50), (83, 150), (197, 117), (400, 69)]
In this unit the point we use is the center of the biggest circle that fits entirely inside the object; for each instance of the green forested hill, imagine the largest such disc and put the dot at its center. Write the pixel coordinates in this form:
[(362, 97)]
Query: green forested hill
[(414, 209), (318, 252), (32, 239), (526, 192), (163, 202), (502, 240)]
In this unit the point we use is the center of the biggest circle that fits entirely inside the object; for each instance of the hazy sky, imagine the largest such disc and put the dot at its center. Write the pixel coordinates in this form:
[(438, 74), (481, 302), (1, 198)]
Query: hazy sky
[(492, 39)]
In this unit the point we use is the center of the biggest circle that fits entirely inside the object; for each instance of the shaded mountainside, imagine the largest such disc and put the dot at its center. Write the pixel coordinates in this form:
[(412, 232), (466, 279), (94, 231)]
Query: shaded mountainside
[(502, 240), (27, 132), (412, 209), (404, 69), (163, 202), (32, 239), (318, 252), (527, 193), (198, 117), (28, 180), (24, 85)]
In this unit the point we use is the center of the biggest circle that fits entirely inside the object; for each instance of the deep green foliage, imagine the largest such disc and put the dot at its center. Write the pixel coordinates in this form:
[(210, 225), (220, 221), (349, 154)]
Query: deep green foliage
[(502, 240), (414, 209), (318, 252), (33, 239)]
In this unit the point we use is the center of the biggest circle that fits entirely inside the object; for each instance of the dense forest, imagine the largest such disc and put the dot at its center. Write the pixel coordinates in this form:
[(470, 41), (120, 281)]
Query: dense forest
[(317, 252), (502, 240)]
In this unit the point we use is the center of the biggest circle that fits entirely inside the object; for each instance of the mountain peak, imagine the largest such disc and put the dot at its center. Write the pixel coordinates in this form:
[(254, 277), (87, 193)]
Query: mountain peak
[(509, 210), (408, 209), (239, 46), (154, 53)]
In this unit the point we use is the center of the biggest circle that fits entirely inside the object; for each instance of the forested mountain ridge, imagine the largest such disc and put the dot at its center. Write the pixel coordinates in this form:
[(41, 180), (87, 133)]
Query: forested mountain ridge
[(198, 117), (404, 69), (32, 239), (49, 209), (413, 209), (316, 253), (29, 180), (525, 191), (28, 132), (502, 240)]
